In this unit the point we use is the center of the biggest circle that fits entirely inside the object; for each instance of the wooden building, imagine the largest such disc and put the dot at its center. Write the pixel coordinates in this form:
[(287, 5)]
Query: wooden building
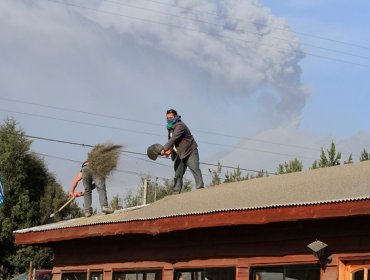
[(257, 229)]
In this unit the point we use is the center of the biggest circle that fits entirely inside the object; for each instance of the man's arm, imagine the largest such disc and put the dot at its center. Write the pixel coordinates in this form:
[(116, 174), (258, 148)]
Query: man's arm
[(176, 135), (77, 179)]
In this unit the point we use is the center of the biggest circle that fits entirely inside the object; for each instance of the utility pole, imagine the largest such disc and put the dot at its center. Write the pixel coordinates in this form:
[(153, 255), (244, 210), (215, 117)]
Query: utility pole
[(30, 270), (145, 190), (155, 189)]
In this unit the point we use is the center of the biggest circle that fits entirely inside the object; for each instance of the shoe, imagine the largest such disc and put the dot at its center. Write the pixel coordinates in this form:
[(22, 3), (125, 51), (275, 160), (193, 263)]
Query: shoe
[(107, 210), (88, 214)]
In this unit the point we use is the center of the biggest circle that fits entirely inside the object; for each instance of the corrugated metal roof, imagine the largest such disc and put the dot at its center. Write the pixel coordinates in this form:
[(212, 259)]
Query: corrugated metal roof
[(338, 184)]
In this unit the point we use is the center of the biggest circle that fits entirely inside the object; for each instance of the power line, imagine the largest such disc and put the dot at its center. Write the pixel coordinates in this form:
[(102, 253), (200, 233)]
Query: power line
[(122, 171), (91, 146), (154, 124), (80, 122), (245, 31), (260, 24), (240, 168), (153, 134), (194, 30), (157, 124), (87, 145), (77, 111), (200, 141), (77, 161)]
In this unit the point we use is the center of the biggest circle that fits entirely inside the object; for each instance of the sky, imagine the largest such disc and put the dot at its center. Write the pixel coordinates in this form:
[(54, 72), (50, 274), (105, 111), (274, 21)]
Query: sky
[(258, 82)]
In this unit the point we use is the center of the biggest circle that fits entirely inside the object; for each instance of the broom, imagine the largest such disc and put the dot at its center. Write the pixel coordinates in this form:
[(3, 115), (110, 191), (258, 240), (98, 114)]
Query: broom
[(103, 159)]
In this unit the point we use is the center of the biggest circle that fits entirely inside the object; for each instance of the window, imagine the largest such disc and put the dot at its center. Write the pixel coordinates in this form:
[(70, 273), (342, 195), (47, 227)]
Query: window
[(74, 276), (362, 274), (286, 273), (96, 275), (137, 275), (205, 274), (357, 270)]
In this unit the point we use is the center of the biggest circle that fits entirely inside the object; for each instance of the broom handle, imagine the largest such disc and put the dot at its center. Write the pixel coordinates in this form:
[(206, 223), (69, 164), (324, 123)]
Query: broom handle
[(70, 200), (65, 204)]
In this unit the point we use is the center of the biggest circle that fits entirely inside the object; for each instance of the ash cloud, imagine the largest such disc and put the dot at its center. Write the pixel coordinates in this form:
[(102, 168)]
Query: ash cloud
[(240, 42)]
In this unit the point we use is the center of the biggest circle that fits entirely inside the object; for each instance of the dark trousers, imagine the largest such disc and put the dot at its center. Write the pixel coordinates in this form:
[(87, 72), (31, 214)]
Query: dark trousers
[(180, 165)]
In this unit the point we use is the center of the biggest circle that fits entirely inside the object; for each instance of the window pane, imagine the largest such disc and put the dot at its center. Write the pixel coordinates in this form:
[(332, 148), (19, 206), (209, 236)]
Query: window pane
[(302, 274), (151, 276), (269, 276), (205, 274), (74, 276), (96, 275), (358, 275), (287, 273), (137, 275), (125, 276)]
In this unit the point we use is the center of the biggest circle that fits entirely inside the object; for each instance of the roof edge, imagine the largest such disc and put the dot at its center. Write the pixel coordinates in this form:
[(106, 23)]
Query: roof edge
[(168, 224), (272, 206)]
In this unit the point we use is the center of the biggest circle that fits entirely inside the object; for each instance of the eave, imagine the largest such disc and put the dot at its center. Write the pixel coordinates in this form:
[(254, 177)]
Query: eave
[(208, 220)]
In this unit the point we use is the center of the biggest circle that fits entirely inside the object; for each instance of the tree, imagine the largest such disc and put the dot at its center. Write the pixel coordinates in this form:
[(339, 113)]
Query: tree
[(350, 159), (155, 191), (116, 203), (215, 174), (289, 167), (30, 192), (235, 176), (260, 174), (364, 155), (53, 198), (331, 159)]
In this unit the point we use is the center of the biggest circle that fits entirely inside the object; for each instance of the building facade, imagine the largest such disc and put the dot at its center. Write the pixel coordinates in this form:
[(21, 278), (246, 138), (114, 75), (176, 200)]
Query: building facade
[(305, 226)]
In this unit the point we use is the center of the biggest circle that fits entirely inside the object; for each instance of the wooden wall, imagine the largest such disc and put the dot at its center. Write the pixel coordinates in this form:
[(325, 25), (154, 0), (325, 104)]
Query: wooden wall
[(241, 247)]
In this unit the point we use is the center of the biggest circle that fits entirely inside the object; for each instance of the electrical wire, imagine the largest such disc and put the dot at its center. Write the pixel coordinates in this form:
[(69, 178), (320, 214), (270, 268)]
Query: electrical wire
[(257, 23), (77, 161), (152, 134), (155, 124), (198, 31), (125, 151), (245, 31)]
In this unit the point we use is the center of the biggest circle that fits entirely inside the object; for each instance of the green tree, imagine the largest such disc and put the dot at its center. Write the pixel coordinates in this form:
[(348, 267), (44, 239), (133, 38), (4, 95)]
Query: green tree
[(235, 176), (289, 167), (133, 199), (364, 155), (53, 198), (155, 191), (216, 175), (350, 159), (260, 174), (30, 191), (332, 158), (116, 202)]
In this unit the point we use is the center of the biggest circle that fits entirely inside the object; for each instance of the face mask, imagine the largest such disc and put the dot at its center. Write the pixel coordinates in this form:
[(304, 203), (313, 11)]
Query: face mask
[(171, 122)]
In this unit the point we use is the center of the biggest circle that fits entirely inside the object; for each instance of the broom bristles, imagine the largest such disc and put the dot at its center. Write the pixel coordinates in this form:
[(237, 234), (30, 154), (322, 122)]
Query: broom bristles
[(103, 159)]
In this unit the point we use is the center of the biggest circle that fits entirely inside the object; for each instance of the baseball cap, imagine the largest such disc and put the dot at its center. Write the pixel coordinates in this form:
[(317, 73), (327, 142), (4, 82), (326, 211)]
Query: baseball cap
[(171, 111)]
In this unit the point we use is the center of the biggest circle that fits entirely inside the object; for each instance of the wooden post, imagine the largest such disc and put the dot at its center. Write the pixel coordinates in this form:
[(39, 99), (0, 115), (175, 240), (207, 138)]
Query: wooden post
[(30, 271), (145, 188)]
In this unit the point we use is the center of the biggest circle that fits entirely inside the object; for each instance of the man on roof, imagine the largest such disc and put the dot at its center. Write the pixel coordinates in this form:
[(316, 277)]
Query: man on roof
[(91, 182), (183, 149)]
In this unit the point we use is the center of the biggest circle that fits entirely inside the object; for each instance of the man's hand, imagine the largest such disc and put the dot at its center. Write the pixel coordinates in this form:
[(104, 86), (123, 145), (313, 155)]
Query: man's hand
[(77, 194), (71, 194), (74, 195), (166, 153)]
